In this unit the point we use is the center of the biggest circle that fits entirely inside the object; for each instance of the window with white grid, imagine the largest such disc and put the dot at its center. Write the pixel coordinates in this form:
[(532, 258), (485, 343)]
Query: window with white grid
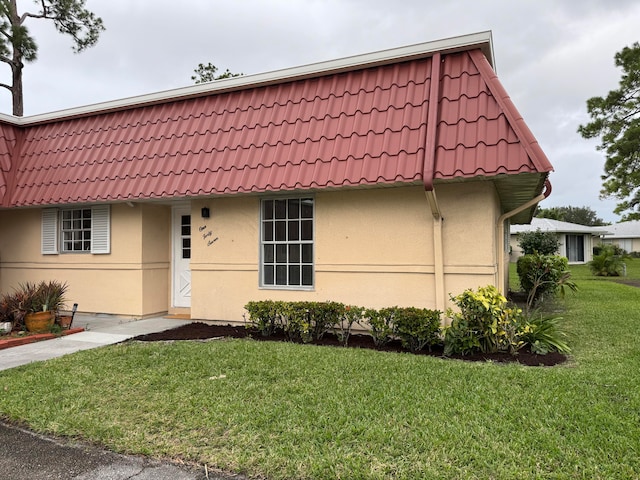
[(287, 242), (76, 230)]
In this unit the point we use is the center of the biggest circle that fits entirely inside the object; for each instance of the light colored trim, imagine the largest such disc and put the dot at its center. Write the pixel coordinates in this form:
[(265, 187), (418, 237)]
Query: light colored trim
[(481, 40), (49, 231), (100, 230)]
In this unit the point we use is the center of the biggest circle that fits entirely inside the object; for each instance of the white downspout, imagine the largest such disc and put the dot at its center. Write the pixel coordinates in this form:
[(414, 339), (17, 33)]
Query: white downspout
[(500, 243), (438, 252)]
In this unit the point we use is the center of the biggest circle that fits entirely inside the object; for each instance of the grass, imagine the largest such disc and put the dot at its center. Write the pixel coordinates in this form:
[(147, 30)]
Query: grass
[(287, 411)]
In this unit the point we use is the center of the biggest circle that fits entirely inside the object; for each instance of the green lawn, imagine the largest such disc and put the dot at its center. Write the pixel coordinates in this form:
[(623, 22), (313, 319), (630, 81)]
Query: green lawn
[(304, 412)]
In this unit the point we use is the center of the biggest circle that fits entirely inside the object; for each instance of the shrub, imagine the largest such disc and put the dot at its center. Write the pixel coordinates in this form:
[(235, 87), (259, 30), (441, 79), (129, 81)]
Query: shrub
[(543, 335), (350, 315), (380, 325), (416, 327), (309, 321), (545, 243), (609, 262), (485, 323), (542, 275), (265, 316)]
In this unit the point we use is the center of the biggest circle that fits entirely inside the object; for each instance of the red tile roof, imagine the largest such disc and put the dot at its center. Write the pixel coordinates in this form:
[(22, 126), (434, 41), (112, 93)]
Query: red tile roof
[(362, 127)]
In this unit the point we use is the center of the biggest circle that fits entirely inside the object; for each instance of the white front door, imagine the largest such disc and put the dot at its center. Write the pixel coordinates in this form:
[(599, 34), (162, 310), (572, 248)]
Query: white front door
[(182, 256)]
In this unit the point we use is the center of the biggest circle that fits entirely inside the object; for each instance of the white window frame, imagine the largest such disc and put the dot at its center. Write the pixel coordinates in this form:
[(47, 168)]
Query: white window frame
[(269, 259), (52, 242)]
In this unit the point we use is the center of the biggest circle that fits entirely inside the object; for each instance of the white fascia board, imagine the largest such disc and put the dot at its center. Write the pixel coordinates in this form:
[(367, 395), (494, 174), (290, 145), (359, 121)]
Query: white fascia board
[(482, 40)]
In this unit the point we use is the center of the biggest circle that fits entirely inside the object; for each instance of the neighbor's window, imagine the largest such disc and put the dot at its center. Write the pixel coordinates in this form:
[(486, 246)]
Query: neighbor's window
[(287, 242), (76, 230)]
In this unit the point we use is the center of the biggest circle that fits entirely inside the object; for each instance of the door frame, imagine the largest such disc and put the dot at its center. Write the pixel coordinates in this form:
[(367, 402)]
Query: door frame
[(177, 211)]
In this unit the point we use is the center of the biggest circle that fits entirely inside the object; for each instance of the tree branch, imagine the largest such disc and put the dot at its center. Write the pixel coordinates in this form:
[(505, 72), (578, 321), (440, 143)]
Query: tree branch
[(8, 87)]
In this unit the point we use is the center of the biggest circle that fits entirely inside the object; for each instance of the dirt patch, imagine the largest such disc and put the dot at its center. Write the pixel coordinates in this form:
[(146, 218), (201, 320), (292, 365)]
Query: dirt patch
[(204, 331)]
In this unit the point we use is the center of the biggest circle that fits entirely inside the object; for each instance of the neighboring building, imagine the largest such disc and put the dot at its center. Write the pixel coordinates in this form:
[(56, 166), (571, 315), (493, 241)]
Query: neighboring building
[(576, 241), (378, 180), (626, 235)]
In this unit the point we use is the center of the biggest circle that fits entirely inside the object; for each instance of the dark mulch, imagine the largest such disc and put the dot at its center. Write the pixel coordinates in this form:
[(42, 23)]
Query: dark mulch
[(204, 331)]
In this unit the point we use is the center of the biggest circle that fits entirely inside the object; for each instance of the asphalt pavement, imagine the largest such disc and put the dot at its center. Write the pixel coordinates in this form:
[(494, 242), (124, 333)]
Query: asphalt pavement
[(25, 455)]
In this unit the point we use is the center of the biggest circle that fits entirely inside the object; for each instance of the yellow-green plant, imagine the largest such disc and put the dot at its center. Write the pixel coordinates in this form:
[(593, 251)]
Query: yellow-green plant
[(485, 323)]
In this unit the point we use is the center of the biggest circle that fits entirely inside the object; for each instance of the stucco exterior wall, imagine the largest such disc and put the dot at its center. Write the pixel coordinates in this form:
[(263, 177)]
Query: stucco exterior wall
[(373, 248), (132, 280)]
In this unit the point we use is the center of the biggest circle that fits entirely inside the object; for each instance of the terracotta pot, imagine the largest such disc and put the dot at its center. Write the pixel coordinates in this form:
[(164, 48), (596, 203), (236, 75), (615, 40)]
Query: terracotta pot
[(39, 322), (65, 321)]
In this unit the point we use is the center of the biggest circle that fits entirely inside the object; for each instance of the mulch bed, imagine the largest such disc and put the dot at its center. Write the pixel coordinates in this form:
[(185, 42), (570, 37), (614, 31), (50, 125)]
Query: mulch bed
[(204, 331)]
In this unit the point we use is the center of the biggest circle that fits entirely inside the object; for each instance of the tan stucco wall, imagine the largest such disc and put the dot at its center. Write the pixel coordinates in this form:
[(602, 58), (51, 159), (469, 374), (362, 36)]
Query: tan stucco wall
[(373, 248), (131, 280)]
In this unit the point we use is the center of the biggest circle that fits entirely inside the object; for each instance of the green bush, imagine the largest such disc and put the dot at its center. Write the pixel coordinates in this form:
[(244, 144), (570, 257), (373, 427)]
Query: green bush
[(351, 315), (543, 335), (380, 325), (416, 327), (265, 316), (543, 275), (545, 243), (485, 323), (609, 262)]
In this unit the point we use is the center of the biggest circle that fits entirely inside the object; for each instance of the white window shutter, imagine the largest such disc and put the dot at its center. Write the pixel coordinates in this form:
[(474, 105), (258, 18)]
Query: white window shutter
[(100, 229), (50, 231)]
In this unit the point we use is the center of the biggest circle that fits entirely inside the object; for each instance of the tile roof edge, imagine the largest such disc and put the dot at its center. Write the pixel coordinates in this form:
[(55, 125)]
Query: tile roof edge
[(529, 142), (481, 40)]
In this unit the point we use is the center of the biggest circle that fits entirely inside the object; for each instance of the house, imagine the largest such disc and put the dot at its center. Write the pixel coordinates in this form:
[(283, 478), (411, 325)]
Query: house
[(382, 179), (576, 241), (626, 235)]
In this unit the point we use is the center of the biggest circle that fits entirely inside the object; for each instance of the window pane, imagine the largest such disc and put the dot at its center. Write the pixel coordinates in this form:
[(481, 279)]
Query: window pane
[(294, 253), (281, 274), (267, 209), (293, 230), (268, 275), (307, 230), (267, 231), (268, 254), (281, 253), (294, 275), (307, 208), (307, 275), (281, 231), (307, 253), (294, 209), (281, 208)]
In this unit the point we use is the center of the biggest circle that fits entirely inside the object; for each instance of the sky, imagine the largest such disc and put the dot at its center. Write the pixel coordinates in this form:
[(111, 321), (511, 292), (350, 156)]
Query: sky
[(551, 56)]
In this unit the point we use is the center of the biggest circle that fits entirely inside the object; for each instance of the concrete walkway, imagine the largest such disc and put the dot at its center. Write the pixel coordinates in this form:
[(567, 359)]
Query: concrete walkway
[(99, 331)]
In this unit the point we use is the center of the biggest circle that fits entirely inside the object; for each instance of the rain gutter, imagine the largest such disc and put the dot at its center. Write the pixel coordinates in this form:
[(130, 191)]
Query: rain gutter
[(428, 169), (501, 242)]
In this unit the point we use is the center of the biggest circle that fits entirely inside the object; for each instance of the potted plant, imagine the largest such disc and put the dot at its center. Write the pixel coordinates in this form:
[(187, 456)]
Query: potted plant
[(41, 303)]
